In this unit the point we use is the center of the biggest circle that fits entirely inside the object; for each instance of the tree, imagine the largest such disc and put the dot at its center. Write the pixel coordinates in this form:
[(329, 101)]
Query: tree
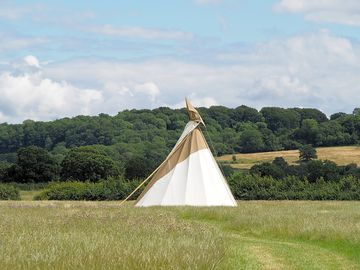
[(313, 170), (88, 163), (244, 114), (221, 114), (308, 113), (138, 132), (268, 169), (309, 132), (356, 111), (251, 141), (277, 118), (271, 141), (307, 153), (137, 168), (33, 165), (337, 115), (280, 162), (331, 172), (4, 167)]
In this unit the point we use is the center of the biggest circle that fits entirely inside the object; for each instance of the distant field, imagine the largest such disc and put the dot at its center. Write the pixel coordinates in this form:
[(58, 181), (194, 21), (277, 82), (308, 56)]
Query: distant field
[(254, 235), (341, 155), (28, 195)]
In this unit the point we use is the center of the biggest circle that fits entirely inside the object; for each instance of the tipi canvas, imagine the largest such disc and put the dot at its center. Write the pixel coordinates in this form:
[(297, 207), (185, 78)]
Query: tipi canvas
[(189, 175)]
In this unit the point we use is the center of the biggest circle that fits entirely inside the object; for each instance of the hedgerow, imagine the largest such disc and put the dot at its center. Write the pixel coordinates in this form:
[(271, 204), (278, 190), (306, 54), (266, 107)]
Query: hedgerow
[(104, 190), (255, 187), (9, 192)]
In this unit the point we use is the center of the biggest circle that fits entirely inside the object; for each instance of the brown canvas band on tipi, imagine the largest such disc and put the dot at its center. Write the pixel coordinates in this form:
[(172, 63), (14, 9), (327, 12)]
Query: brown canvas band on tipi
[(192, 143)]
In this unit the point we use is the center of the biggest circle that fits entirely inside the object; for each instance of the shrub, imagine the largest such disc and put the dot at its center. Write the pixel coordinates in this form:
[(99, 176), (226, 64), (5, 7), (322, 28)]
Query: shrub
[(9, 192), (29, 186), (255, 187), (110, 189), (268, 169)]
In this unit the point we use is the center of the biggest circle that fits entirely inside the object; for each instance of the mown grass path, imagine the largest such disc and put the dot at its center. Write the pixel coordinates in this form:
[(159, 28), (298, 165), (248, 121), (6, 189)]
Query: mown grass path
[(255, 235), (287, 234)]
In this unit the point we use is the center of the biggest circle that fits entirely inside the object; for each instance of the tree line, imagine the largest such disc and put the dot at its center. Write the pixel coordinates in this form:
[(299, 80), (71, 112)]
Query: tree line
[(133, 142), (154, 132)]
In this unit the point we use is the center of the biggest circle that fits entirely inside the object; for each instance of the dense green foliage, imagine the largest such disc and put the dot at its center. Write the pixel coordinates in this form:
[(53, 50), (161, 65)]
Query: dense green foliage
[(152, 133), (33, 165), (9, 192), (309, 180), (29, 186), (110, 189), (87, 163), (255, 187), (312, 170), (132, 143), (4, 168), (307, 153)]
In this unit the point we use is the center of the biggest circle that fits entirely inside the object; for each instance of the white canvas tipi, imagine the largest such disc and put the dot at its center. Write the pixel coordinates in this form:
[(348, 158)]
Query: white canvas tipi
[(189, 175)]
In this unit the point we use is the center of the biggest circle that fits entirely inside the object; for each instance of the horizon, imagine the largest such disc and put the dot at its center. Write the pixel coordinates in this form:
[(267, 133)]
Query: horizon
[(172, 108), (63, 59)]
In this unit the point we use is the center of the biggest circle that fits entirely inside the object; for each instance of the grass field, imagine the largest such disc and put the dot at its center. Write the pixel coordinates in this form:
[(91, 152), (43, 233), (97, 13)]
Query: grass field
[(255, 235), (341, 155), (28, 195)]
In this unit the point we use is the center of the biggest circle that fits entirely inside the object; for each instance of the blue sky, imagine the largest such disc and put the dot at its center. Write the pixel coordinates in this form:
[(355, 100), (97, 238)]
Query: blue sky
[(64, 58)]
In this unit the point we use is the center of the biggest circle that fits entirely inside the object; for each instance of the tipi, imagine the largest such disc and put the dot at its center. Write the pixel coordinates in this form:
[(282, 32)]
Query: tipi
[(189, 175)]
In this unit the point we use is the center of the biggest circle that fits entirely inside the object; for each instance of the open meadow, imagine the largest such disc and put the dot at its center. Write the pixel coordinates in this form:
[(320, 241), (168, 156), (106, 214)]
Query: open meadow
[(254, 235), (341, 155)]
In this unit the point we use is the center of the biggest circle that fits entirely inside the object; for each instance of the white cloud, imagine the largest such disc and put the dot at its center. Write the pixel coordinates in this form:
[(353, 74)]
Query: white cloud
[(334, 11), (196, 101), (150, 89), (139, 32), (30, 96), (27, 93), (32, 61), (314, 70), (281, 86)]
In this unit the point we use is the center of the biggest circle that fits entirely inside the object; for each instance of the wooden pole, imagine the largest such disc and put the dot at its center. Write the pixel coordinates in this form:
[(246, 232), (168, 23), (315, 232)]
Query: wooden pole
[(152, 174)]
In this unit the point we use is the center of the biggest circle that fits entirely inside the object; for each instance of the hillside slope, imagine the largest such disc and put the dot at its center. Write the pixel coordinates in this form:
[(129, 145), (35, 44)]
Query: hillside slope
[(341, 155)]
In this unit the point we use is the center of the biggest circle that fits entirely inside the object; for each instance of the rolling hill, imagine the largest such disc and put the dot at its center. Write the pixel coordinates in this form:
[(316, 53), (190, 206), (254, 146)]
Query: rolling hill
[(341, 155)]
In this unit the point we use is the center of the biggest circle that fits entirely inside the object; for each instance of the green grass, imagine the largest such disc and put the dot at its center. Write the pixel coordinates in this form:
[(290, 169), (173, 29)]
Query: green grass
[(255, 235), (28, 195)]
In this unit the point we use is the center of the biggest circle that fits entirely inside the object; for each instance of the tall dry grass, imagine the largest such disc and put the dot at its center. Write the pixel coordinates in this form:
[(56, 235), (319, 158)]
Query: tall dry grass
[(86, 235), (254, 235), (341, 155)]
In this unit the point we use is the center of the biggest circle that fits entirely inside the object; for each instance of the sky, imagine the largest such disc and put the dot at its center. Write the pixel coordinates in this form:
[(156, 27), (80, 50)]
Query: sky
[(65, 58)]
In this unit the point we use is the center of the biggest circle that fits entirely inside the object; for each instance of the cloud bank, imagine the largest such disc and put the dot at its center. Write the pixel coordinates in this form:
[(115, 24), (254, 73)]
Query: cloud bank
[(311, 70), (334, 11)]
